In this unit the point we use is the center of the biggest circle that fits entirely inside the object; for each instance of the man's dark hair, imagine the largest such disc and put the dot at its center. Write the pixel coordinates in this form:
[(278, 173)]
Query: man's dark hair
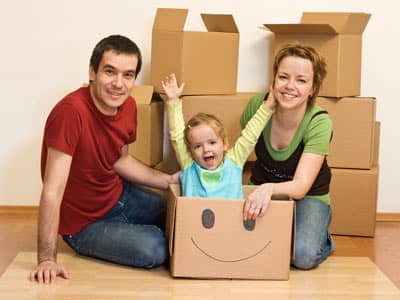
[(120, 45)]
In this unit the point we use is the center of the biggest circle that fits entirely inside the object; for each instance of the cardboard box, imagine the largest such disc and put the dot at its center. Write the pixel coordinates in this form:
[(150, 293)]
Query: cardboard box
[(338, 37), (377, 142), (353, 131), (353, 201), (206, 62), (207, 238), (148, 146)]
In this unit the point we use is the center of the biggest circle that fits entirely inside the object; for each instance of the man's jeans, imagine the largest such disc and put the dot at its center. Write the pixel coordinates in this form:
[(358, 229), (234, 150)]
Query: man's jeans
[(313, 243), (129, 234)]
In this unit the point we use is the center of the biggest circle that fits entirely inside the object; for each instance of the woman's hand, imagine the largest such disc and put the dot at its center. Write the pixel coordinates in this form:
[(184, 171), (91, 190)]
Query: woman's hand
[(257, 202), (271, 101), (171, 88)]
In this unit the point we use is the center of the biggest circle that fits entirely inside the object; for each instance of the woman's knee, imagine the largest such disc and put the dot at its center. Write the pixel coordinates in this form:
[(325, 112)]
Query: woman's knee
[(305, 259), (308, 256)]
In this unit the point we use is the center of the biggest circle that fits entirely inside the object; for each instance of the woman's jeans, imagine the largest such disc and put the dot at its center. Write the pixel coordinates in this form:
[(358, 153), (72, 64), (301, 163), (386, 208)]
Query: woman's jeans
[(313, 243), (129, 234)]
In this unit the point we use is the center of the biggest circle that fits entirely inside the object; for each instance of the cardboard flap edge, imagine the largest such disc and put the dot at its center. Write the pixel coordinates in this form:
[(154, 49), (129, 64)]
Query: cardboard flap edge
[(171, 214), (342, 22), (300, 28), (219, 23)]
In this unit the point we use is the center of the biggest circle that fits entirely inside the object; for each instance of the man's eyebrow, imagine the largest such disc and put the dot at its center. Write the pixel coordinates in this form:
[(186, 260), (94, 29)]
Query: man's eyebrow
[(108, 66), (131, 71), (112, 67)]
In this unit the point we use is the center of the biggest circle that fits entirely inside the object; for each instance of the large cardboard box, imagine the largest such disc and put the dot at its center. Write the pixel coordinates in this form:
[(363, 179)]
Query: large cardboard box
[(205, 61), (353, 201), (338, 37), (148, 146), (353, 131), (208, 238)]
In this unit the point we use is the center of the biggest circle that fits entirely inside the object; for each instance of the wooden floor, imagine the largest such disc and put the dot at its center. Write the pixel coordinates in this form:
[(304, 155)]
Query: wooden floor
[(361, 268)]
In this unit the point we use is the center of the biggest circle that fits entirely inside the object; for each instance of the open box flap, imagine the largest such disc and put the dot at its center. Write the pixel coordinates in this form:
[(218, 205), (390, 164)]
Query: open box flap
[(300, 28), (173, 193), (219, 23), (342, 22), (170, 19), (144, 94)]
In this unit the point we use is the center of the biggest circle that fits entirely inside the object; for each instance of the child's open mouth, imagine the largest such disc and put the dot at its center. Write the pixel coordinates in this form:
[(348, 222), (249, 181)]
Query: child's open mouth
[(209, 159)]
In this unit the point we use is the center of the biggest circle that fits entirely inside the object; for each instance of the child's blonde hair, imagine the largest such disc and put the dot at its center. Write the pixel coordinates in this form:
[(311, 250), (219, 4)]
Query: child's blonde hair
[(208, 119)]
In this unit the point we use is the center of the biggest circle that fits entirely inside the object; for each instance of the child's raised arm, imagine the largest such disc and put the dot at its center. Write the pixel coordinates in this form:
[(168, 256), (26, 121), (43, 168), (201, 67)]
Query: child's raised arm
[(175, 119)]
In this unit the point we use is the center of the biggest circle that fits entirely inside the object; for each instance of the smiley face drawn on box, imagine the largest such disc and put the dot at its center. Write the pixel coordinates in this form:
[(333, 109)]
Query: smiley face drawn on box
[(208, 221), (214, 230)]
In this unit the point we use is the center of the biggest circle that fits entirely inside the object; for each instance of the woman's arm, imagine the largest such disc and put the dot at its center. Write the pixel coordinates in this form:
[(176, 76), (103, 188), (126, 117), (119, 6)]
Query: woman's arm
[(307, 170)]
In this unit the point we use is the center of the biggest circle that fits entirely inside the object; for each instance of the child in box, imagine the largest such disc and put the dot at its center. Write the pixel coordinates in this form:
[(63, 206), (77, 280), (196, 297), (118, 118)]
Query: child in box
[(209, 169)]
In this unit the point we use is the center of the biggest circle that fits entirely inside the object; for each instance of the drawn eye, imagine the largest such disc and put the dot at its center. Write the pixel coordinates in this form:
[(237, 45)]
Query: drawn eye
[(249, 224), (208, 218)]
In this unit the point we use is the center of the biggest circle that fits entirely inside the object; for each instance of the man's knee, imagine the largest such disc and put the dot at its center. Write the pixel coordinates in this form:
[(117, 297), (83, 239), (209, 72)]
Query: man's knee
[(154, 253)]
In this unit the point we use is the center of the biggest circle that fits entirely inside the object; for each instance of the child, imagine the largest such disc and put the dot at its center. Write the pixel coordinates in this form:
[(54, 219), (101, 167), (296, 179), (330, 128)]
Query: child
[(209, 169)]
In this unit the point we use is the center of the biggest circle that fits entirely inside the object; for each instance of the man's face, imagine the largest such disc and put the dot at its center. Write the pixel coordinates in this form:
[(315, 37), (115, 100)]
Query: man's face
[(113, 82)]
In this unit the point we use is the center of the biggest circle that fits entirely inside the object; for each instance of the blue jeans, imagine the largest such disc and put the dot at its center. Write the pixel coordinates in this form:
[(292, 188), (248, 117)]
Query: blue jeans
[(313, 243), (131, 233)]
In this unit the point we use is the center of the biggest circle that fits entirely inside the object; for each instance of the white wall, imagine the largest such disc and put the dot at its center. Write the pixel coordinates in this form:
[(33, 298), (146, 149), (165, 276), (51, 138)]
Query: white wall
[(46, 46)]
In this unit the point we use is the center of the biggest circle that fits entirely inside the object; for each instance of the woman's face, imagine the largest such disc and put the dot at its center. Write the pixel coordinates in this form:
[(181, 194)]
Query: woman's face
[(293, 83)]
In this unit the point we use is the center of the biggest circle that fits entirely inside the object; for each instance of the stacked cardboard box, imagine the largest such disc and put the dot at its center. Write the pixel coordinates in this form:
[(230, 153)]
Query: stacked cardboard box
[(353, 158), (338, 37), (148, 146), (353, 152), (207, 63)]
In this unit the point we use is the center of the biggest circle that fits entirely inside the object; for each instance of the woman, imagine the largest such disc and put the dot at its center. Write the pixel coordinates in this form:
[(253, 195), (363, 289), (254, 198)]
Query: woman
[(291, 152)]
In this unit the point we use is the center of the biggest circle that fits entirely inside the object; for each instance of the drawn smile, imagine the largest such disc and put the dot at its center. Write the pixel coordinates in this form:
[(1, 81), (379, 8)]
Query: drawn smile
[(233, 260)]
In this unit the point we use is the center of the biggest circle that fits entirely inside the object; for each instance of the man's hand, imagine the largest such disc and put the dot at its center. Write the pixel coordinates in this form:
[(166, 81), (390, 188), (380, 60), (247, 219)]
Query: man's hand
[(171, 88), (175, 177), (47, 271)]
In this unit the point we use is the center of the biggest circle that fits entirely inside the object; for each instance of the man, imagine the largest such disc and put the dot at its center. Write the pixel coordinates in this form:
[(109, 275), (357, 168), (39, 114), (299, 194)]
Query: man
[(87, 195)]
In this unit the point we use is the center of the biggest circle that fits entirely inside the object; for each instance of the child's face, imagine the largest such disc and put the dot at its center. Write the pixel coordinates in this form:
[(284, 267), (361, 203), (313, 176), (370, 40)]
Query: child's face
[(206, 146)]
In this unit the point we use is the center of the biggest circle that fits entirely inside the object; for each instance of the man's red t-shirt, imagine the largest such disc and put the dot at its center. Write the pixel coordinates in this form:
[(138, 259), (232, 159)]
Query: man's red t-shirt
[(76, 127)]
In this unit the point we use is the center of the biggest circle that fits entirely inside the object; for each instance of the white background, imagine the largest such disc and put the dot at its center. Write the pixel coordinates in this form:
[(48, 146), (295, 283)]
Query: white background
[(46, 44)]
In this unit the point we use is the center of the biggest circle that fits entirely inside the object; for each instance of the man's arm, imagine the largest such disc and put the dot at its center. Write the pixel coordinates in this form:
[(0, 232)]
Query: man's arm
[(55, 178), (133, 170)]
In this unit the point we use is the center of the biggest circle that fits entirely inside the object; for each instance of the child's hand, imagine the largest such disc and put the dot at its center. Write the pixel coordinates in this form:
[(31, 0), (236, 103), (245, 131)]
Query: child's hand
[(271, 102), (171, 88)]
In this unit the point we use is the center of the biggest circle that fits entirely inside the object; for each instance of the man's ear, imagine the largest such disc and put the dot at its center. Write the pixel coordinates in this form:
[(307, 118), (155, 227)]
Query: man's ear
[(92, 73)]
